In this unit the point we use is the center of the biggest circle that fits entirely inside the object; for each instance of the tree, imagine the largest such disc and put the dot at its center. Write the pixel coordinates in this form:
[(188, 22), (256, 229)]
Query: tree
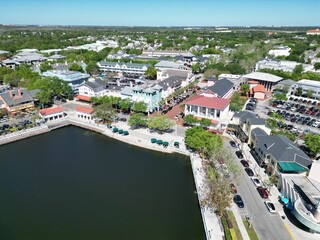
[(298, 70), (196, 68), (137, 120), (298, 91), (92, 68), (44, 97), (139, 107), (160, 123), (151, 72), (125, 104), (245, 88), (204, 122), (312, 141), (310, 93), (317, 65), (104, 112), (218, 195), (281, 96), (75, 67), (202, 141), (237, 102), (189, 120), (45, 66), (271, 181)]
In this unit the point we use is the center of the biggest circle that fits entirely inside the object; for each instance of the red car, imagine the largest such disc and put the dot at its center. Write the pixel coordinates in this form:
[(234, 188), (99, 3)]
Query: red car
[(263, 192), (233, 188)]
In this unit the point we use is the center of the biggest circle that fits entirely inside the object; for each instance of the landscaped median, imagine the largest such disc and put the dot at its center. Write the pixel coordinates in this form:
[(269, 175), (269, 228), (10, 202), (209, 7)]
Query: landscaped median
[(230, 226), (250, 230)]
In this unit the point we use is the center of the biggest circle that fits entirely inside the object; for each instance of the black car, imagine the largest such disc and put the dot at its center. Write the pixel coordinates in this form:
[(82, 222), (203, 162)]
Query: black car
[(233, 144), (244, 163), (239, 154), (5, 126), (122, 119), (249, 171), (238, 200)]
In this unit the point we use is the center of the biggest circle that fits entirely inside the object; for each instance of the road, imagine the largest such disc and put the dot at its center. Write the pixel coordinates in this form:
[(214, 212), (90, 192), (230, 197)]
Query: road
[(267, 226)]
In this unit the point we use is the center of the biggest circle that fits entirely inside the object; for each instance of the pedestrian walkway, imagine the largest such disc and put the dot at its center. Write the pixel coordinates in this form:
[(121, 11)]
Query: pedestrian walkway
[(238, 218), (210, 219)]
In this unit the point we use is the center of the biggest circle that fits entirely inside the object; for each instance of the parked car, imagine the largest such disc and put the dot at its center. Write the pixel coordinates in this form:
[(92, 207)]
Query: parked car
[(263, 192), (238, 200), (244, 163), (122, 119), (249, 171), (270, 206), (239, 154), (233, 144), (256, 182), (233, 188)]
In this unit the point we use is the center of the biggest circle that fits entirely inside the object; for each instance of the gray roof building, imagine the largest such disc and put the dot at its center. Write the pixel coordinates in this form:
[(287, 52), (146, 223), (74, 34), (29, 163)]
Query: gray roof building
[(222, 87), (17, 97)]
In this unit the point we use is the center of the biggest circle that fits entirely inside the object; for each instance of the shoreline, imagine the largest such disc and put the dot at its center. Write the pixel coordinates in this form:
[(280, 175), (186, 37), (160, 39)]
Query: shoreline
[(140, 138)]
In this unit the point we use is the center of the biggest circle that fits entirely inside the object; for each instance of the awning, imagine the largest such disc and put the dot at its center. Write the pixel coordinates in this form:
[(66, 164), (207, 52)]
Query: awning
[(165, 144), (291, 167), (153, 140), (284, 200), (120, 131), (176, 143), (159, 142), (125, 133), (115, 130)]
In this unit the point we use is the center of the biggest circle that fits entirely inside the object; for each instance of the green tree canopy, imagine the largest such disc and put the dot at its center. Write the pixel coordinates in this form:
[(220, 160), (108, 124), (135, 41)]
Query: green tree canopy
[(245, 88), (45, 66), (160, 123), (137, 120), (205, 122), (92, 67), (151, 72), (105, 112), (75, 67), (189, 120), (139, 107), (312, 141), (125, 104)]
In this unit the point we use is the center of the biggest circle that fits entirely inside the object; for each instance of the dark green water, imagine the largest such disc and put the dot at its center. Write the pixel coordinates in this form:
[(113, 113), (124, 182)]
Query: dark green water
[(71, 185)]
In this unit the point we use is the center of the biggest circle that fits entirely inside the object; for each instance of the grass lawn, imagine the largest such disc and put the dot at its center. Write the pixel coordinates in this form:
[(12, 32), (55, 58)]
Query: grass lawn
[(235, 225), (251, 232)]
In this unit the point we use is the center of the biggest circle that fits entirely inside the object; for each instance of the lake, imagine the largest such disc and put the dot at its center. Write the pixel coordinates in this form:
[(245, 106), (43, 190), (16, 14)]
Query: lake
[(74, 184)]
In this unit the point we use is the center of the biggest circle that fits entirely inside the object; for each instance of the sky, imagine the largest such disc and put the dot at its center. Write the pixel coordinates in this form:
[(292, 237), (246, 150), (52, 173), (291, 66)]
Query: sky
[(161, 12)]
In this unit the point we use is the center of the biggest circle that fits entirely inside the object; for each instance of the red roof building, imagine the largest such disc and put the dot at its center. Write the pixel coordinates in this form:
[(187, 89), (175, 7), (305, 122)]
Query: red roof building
[(213, 108), (259, 92), (83, 98), (50, 111), (86, 110), (313, 32)]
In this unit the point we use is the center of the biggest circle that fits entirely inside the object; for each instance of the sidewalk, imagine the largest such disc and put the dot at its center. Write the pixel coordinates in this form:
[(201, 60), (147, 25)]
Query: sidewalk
[(238, 218), (210, 219)]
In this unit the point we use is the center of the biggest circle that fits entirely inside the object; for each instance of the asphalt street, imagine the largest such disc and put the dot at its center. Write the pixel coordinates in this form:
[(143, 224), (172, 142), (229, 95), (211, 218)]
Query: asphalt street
[(267, 226)]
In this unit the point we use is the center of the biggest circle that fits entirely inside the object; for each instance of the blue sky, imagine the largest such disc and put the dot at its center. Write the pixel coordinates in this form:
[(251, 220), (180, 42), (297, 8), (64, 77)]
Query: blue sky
[(161, 12)]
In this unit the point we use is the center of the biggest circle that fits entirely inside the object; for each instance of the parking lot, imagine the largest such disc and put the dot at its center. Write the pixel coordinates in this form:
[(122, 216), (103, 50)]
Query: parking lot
[(297, 117)]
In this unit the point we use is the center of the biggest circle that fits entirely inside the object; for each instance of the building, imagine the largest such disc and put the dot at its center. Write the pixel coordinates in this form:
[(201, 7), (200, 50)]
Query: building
[(223, 88), (56, 57), (53, 113), (29, 57), (303, 194), (169, 65), (309, 87), (258, 91), (265, 79), (285, 84), (280, 51), (210, 107), (16, 100), (236, 79), (244, 123), (313, 32), (162, 53), (283, 65), (124, 68), (74, 79), (84, 114), (152, 96), (93, 88), (280, 154)]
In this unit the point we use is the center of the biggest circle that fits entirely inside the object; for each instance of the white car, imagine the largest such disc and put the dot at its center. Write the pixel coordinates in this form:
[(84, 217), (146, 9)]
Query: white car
[(316, 124), (270, 206), (256, 182)]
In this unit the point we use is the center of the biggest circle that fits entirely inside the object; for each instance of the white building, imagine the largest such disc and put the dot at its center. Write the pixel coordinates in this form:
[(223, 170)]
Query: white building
[(313, 32), (53, 113), (121, 67), (74, 79), (280, 51), (210, 107), (283, 65), (93, 88), (307, 85), (265, 79)]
